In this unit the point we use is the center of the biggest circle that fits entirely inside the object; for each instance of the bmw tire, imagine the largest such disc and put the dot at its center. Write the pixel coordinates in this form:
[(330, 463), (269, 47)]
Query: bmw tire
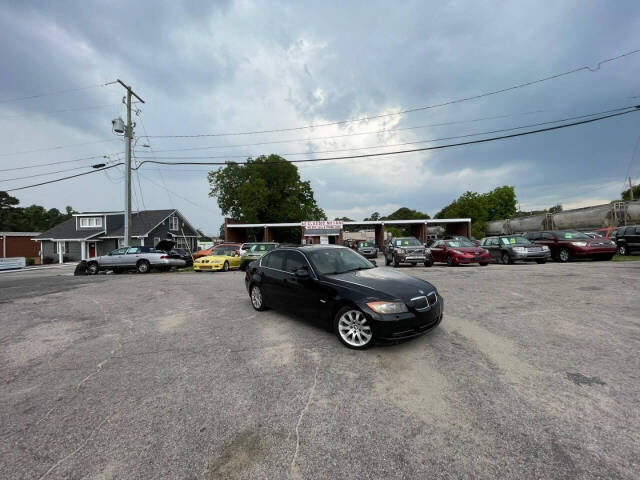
[(353, 328)]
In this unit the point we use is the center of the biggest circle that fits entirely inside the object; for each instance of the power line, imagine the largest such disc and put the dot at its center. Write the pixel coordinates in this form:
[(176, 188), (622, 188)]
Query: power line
[(437, 147), (152, 151), (58, 147), (424, 149), (65, 110), (179, 196), (65, 178), (411, 110), (311, 139), (55, 92), (417, 142), (25, 167), (370, 132), (45, 174)]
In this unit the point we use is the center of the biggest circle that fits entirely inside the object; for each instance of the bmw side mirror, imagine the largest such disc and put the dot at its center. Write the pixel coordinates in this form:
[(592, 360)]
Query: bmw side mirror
[(302, 273), (375, 264)]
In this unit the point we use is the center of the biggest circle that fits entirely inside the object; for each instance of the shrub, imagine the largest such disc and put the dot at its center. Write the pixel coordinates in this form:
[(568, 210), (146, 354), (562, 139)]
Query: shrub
[(31, 261), (47, 260)]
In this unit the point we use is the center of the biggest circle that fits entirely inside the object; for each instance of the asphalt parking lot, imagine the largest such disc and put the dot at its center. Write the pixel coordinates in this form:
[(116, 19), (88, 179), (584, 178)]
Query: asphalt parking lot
[(534, 373)]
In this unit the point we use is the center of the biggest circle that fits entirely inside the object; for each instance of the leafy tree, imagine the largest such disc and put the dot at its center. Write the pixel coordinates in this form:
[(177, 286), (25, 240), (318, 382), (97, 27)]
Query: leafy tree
[(7, 205), (266, 189), (375, 216), (557, 208), (501, 203), (626, 195), (344, 219), (482, 207), (34, 218), (404, 213)]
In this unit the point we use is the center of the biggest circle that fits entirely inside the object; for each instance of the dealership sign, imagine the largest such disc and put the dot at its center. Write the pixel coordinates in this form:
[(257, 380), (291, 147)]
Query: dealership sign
[(12, 262), (323, 224)]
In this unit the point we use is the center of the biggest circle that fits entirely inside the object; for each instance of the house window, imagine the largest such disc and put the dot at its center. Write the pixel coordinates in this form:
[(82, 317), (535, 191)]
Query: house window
[(156, 240), (120, 242), (64, 246), (90, 222), (180, 242), (174, 223)]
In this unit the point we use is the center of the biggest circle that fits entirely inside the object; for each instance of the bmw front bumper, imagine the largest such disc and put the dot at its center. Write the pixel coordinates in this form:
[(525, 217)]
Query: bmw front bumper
[(405, 325)]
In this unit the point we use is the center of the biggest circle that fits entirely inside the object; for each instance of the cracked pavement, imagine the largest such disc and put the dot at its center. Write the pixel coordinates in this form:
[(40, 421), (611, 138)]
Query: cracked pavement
[(532, 374)]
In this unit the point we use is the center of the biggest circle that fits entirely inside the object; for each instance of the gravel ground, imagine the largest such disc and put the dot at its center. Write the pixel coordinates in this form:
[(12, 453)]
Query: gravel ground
[(532, 374)]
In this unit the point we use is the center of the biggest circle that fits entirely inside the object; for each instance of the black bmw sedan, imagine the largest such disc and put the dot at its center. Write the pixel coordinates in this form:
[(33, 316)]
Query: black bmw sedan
[(360, 302)]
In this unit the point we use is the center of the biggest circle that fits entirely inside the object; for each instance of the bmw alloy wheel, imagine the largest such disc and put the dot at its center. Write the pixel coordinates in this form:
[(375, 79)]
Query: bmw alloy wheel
[(256, 297), (622, 249), (354, 330)]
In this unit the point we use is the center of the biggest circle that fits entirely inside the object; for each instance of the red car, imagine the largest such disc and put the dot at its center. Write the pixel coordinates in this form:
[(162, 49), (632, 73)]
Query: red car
[(568, 244), (457, 252)]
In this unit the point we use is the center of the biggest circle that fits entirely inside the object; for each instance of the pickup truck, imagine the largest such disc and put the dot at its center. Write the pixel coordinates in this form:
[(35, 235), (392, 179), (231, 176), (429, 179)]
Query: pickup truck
[(142, 258)]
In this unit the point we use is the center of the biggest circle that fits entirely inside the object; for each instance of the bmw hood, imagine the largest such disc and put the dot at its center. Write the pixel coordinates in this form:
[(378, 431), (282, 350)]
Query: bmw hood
[(384, 283)]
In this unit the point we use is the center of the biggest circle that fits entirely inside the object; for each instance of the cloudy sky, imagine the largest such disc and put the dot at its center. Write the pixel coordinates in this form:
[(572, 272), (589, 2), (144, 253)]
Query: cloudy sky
[(222, 67)]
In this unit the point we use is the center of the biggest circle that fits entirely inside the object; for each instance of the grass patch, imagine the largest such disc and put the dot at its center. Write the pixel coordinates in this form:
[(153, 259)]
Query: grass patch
[(184, 270), (626, 258)]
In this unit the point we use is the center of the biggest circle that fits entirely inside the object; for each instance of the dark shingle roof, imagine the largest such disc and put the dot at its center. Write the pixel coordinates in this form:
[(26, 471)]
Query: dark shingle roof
[(142, 222), (67, 231)]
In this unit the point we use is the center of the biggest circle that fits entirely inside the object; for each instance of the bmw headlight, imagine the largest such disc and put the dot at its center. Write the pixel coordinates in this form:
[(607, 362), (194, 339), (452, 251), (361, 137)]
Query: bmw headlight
[(579, 244), (401, 250), (388, 307), (545, 248)]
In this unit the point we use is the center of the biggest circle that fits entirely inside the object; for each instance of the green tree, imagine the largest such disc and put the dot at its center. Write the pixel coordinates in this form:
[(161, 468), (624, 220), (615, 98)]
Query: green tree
[(375, 216), (557, 208), (265, 189), (626, 195), (404, 213), (34, 218), (344, 219), (482, 207)]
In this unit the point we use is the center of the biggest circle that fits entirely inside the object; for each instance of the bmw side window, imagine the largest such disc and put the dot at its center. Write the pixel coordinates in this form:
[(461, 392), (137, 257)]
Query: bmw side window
[(275, 260), (294, 261), (637, 230)]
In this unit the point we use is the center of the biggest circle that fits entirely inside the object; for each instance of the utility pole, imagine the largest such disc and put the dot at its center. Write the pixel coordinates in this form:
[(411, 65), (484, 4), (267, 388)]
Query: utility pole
[(128, 135), (630, 189)]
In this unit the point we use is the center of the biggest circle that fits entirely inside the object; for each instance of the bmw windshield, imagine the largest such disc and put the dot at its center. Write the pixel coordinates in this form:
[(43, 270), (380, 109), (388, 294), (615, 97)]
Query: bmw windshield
[(333, 261)]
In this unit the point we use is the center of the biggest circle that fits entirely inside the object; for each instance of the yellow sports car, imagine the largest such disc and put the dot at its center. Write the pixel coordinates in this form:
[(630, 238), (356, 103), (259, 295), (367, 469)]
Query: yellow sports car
[(225, 259)]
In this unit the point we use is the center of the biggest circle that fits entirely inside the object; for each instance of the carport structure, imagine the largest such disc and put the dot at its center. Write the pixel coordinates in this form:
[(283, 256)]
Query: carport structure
[(269, 232)]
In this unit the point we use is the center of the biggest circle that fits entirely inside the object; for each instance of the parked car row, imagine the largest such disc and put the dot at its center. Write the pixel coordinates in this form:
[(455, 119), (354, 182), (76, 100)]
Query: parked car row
[(141, 258)]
